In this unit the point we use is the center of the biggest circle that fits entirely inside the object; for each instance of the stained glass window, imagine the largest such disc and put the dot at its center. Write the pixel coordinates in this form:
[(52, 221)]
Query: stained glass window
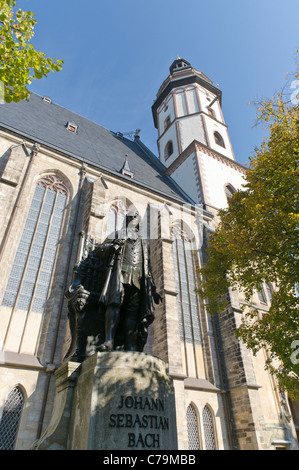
[(185, 283), (29, 279), (208, 426), (10, 419), (192, 428)]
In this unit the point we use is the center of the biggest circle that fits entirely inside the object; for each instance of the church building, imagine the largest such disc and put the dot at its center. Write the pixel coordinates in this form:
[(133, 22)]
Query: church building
[(65, 183)]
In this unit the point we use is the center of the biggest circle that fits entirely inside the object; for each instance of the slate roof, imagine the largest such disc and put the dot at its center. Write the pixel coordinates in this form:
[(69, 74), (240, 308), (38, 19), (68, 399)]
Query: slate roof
[(46, 123)]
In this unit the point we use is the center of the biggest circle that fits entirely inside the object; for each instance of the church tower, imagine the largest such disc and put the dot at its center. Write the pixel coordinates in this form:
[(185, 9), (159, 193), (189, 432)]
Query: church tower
[(195, 149), (193, 139)]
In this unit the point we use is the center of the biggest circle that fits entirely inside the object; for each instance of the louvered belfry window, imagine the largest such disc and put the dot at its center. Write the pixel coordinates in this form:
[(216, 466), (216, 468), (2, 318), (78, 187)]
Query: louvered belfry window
[(30, 276), (10, 419)]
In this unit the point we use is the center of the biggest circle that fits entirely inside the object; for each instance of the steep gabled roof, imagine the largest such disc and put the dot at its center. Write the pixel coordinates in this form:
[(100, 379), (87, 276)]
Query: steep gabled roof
[(49, 124)]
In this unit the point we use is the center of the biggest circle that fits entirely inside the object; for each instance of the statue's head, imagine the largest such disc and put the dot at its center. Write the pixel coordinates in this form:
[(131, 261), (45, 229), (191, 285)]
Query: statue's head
[(132, 219), (81, 298)]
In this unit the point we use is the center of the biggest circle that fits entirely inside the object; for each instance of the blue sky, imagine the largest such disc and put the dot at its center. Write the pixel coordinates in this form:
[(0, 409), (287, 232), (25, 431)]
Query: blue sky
[(117, 53)]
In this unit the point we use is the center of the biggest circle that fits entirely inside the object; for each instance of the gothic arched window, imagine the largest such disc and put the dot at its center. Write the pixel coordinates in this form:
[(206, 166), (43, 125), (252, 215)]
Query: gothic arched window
[(211, 112), (219, 139), (192, 428), (229, 191), (183, 240), (208, 427), (10, 419), (168, 150), (116, 216), (261, 294), (31, 272), (269, 289), (167, 123)]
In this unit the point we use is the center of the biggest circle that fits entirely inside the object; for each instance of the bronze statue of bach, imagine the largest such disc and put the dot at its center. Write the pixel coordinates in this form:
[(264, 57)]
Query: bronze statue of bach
[(111, 300)]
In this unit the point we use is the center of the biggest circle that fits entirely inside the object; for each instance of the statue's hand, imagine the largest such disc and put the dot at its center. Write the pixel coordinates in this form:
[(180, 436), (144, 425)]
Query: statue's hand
[(116, 245), (157, 298)]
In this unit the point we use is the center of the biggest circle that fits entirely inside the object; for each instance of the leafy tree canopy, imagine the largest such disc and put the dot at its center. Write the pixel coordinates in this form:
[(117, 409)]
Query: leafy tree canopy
[(257, 241), (20, 63)]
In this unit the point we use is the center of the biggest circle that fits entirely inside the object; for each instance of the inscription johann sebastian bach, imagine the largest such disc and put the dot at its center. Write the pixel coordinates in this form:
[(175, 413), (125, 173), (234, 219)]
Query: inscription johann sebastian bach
[(146, 426)]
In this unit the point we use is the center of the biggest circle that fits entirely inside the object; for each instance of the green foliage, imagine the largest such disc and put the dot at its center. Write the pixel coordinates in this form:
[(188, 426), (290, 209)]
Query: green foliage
[(257, 241), (20, 63)]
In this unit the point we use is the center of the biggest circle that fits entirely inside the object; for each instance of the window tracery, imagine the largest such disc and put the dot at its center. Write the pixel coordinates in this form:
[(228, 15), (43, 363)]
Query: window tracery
[(30, 276)]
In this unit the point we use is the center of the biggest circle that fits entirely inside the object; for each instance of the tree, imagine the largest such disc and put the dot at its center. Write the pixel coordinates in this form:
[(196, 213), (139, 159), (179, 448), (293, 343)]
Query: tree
[(257, 241), (20, 63)]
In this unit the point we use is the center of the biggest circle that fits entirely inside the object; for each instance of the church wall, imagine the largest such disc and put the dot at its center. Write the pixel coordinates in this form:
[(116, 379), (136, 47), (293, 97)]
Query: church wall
[(258, 416), (191, 128), (214, 123), (199, 400), (26, 337), (274, 404), (165, 330), (169, 135), (10, 149), (20, 331), (180, 405), (256, 412), (192, 99), (166, 109), (215, 175), (206, 99), (32, 382), (166, 343), (204, 174), (185, 174), (214, 126), (43, 337), (165, 336), (271, 414), (244, 389), (181, 102)]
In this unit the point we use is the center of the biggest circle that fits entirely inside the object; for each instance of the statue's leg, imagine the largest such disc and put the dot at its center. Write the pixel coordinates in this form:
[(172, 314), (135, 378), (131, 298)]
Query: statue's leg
[(112, 316), (80, 353), (131, 315), (111, 321)]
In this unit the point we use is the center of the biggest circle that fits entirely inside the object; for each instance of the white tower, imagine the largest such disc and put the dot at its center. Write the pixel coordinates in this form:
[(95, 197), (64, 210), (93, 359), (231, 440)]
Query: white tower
[(193, 139)]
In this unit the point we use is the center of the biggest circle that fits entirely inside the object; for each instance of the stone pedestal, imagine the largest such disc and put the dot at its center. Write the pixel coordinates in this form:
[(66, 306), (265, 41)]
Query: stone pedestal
[(113, 401)]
